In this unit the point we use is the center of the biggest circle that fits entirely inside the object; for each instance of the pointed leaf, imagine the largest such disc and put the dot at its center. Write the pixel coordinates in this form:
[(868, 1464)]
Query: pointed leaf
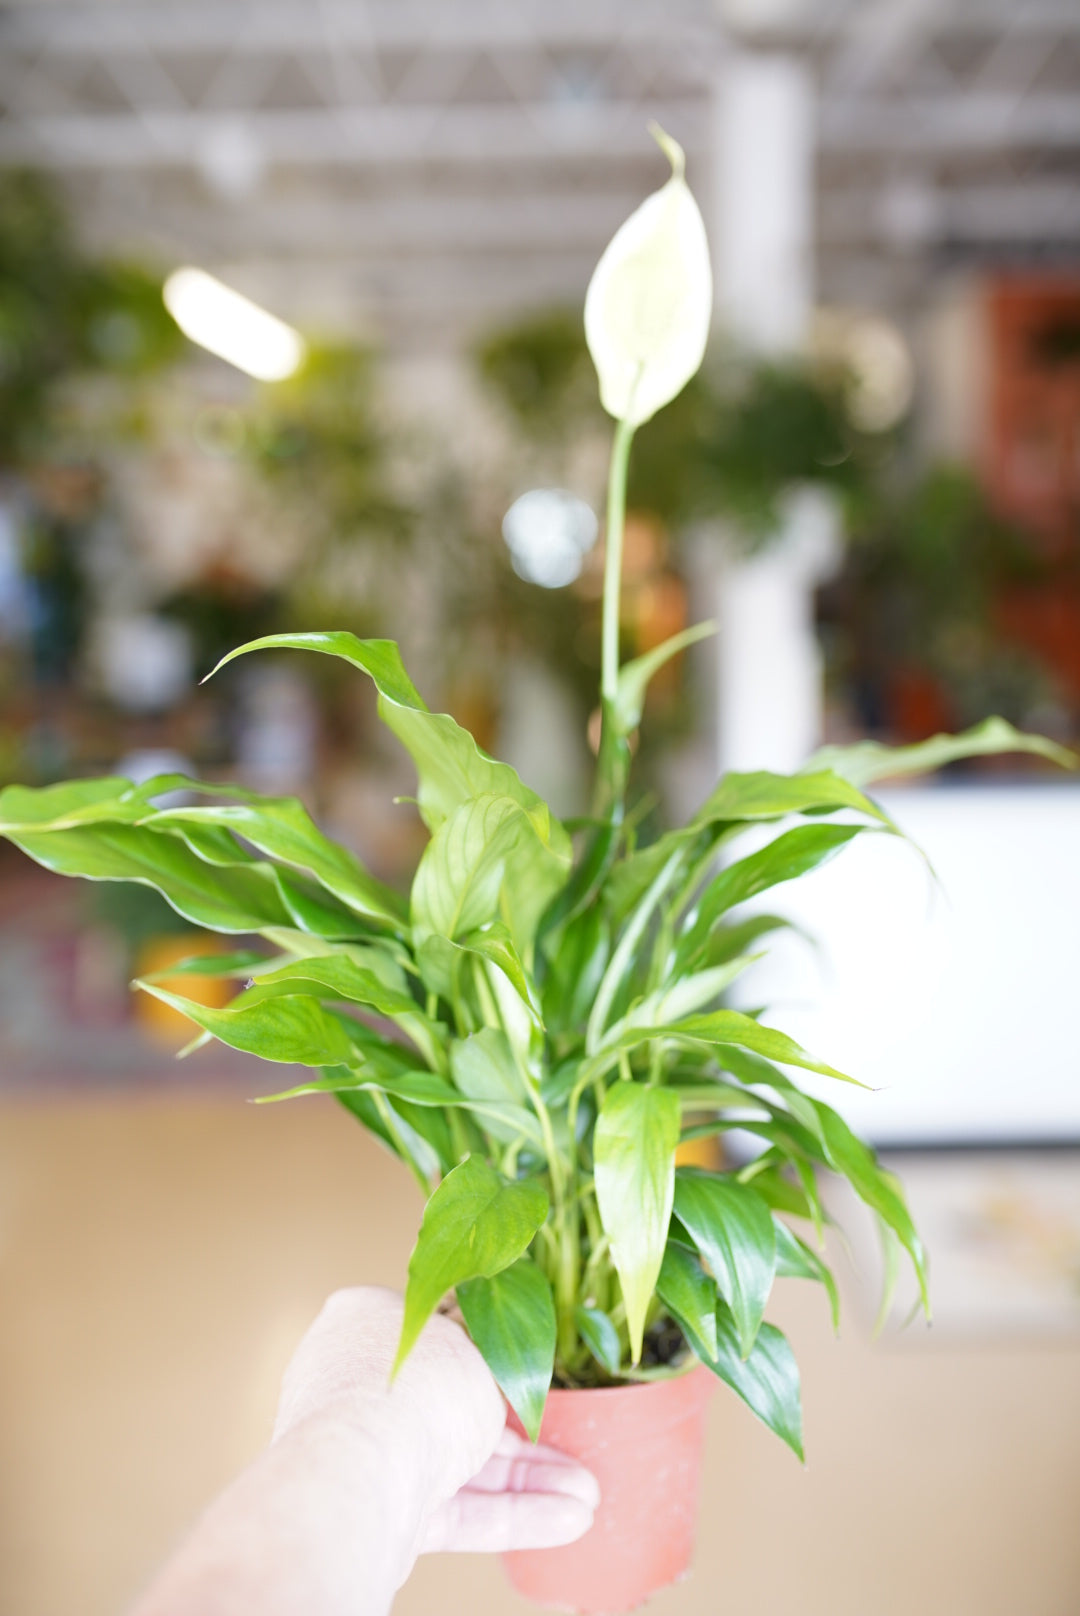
[(767, 1381), (295, 1029), (450, 765), (689, 1294), (791, 855), (719, 1029), (634, 676), (634, 1144), (880, 1190), (796, 1260), (733, 1230), (240, 900), (600, 1336), (282, 828), (868, 761), (488, 861), (484, 1069), (511, 1318), (474, 1225)]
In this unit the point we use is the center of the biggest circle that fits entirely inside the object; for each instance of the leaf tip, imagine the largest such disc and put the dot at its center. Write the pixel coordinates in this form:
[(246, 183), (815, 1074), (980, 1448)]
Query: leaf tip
[(670, 148)]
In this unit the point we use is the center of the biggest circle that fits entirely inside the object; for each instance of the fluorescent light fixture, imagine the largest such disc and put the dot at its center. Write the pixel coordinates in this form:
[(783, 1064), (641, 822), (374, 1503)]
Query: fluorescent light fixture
[(228, 324)]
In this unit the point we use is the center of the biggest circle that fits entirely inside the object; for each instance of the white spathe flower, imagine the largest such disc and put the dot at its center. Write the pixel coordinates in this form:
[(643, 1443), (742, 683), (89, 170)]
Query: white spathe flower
[(649, 303)]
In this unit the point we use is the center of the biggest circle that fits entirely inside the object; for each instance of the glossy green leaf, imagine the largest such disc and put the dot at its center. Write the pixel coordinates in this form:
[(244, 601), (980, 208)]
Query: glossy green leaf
[(442, 962), (239, 964), (600, 1336), (417, 1135), (295, 1029), (233, 901), (791, 855), (719, 1029), (337, 976), (868, 761), (475, 1225), (634, 676), (796, 1260), (745, 797), (511, 1319), (732, 1228), (680, 997), (410, 1083), (315, 911), (767, 1381), (484, 1069), (282, 828), (488, 861), (634, 1144), (879, 1189), (576, 970), (689, 1294), (450, 765), (70, 803), (728, 942)]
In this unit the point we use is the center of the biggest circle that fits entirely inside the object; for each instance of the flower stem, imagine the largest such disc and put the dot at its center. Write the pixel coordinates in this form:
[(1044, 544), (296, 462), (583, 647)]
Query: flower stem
[(613, 556)]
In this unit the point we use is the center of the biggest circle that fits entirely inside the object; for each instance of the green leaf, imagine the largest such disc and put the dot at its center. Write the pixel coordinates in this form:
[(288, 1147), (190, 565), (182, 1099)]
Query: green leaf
[(70, 803), (634, 1144), (416, 1135), (680, 997), (767, 1381), (315, 911), (295, 1029), (239, 964), (879, 1189), (744, 797), (484, 1069), (410, 1083), (868, 761), (600, 1336), (689, 1294), (634, 676), (719, 1029), (282, 828), (732, 1228), (241, 900), (441, 962), (728, 942), (474, 1226), (450, 765), (488, 861), (575, 970), (337, 976), (796, 1260), (511, 1318), (791, 855)]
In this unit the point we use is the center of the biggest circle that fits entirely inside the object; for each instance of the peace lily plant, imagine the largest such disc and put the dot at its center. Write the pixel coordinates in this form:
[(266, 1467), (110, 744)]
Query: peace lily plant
[(537, 1028)]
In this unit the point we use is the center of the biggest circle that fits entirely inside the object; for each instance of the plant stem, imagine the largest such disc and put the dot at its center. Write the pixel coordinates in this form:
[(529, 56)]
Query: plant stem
[(613, 555)]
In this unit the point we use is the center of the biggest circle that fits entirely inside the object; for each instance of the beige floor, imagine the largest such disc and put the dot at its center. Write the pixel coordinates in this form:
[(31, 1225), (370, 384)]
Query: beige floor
[(159, 1258)]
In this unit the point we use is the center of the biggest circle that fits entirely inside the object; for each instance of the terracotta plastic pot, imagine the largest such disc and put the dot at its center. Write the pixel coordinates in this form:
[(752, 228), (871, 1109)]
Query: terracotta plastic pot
[(643, 1444)]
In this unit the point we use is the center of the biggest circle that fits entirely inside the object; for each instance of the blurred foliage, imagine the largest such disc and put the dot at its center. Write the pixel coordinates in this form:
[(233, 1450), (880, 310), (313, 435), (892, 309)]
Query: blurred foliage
[(918, 591), (63, 314), (319, 441), (741, 435), (540, 370), (735, 440)]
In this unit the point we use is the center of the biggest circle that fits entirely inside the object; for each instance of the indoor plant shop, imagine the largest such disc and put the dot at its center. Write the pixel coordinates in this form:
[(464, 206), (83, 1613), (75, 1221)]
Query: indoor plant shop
[(538, 1027)]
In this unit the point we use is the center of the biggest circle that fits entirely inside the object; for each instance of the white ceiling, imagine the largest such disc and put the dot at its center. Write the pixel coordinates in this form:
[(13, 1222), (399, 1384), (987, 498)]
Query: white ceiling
[(420, 167)]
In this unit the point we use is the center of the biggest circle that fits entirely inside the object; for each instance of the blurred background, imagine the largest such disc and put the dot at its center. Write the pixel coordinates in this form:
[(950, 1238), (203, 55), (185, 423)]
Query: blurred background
[(874, 489)]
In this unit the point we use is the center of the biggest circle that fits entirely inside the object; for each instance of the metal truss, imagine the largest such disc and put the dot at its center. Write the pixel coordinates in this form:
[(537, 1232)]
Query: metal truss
[(447, 158)]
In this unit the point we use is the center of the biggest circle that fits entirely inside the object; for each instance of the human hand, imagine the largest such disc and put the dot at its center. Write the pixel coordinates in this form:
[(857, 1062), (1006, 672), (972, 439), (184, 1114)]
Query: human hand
[(481, 1486), (362, 1476)]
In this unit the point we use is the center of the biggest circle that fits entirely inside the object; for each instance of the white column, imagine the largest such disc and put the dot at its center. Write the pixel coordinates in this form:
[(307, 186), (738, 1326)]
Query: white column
[(769, 703)]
